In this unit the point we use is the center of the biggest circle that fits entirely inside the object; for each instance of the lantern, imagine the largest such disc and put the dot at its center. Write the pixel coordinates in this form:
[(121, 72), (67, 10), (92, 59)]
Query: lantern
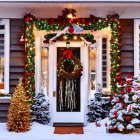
[(67, 45)]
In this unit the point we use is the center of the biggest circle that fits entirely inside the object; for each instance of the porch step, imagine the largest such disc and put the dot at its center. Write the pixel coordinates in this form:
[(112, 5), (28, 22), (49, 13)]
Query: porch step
[(68, 124)]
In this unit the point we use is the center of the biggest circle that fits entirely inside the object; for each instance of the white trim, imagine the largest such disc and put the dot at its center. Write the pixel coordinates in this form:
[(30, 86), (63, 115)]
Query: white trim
[(66, 117), (6, 33), (98, 62), (136, 46), (5, 99), (133, 1), (38, 63), (107, 89)]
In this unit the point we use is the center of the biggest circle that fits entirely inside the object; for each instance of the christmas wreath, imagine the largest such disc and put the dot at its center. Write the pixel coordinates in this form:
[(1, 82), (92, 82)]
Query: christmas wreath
[(68, 57)]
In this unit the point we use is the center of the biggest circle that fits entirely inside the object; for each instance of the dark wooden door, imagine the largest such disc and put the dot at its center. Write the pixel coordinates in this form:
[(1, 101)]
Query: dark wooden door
[(68, 67)]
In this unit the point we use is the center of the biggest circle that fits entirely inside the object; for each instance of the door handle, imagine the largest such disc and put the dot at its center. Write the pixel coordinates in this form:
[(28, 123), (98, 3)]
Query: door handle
[(53, 93)]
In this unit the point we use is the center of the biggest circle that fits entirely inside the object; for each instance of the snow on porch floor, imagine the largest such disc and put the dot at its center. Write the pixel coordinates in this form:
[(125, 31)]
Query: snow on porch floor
[(45, 132)]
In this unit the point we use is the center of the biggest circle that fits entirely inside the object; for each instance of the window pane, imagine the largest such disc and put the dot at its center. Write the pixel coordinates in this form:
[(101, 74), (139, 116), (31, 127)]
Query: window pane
[(139, 54), (1, 59), (93, 70), (45, 68), (1, 27), (104, 62)]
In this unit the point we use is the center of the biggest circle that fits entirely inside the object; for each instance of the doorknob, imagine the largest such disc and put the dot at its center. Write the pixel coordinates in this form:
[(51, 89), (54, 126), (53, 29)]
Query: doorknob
[(53, 93)]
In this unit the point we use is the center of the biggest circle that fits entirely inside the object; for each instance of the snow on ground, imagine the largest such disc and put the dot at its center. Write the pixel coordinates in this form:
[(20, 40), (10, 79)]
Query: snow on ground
[(45, 132)]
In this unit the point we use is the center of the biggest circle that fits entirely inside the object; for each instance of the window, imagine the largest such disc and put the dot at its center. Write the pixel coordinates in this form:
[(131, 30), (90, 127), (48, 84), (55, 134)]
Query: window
[(139, 51), (137, 47), (4, 56), (100, 65), (104, 62)]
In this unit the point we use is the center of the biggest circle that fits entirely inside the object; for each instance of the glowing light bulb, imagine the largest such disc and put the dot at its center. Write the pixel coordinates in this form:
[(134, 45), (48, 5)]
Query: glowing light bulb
[(75, 37), (65, 37), (31, 48), (82, 42), (70, 15)]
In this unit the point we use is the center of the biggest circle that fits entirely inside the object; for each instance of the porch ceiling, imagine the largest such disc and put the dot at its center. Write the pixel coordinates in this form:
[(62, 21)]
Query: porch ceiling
[(114, 6)]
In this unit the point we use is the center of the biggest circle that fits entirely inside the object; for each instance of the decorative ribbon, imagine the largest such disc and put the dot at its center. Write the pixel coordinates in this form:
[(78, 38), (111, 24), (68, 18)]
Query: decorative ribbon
[(67, 54)]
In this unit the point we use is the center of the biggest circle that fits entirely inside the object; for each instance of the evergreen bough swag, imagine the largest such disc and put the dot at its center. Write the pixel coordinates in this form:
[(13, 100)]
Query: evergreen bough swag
[(87, 36), (39, 111), (49, 25)]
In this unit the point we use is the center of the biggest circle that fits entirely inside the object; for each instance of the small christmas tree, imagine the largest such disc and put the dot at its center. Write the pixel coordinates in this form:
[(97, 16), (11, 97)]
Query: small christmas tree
[(125, 114), (39, 111), (19, 110), (98, 108)]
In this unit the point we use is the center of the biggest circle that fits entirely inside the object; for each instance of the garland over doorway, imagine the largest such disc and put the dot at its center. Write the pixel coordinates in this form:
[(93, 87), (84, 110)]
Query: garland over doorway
[(91, 24)]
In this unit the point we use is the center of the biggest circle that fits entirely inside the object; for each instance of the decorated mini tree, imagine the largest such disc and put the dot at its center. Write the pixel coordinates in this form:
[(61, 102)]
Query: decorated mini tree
[(98, 108), (125, 114), (39, 111), (19, 110)]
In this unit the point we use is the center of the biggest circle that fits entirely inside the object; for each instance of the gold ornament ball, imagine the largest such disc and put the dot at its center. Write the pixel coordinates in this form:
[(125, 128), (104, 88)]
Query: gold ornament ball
[(120, 129)]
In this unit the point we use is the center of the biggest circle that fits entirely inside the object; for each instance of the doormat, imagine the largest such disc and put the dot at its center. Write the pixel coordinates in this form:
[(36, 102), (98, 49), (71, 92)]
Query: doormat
[(68, 130)]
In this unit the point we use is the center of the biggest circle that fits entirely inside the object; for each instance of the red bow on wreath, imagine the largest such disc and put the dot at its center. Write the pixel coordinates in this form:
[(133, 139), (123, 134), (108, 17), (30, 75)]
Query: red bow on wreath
[(67, 54)]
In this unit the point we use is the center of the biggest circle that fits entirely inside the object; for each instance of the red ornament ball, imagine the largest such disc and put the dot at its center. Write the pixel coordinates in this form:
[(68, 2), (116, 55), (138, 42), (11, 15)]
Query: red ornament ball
[(118, 100), (118, 78), (122, 92), (127, 118), (123, 97), (130, 83), (111, 98), (115, 116), (121, 83), (128, 89), (21, 41), (123, 104), (70, 29), (115, 112)]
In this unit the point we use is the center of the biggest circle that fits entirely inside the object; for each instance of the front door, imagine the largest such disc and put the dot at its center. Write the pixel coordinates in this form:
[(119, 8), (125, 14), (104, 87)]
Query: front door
[(65, 115)]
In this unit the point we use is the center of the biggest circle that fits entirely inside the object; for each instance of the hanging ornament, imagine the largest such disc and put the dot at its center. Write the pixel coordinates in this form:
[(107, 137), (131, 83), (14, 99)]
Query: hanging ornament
[(118, 100), (118, 78), (127, 118), (122, 91), (21, 41), (123, 105), (111, 98), (115, 112), (115, 116), (130, 83), (129, 77), (71, 29), (128, 89)]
